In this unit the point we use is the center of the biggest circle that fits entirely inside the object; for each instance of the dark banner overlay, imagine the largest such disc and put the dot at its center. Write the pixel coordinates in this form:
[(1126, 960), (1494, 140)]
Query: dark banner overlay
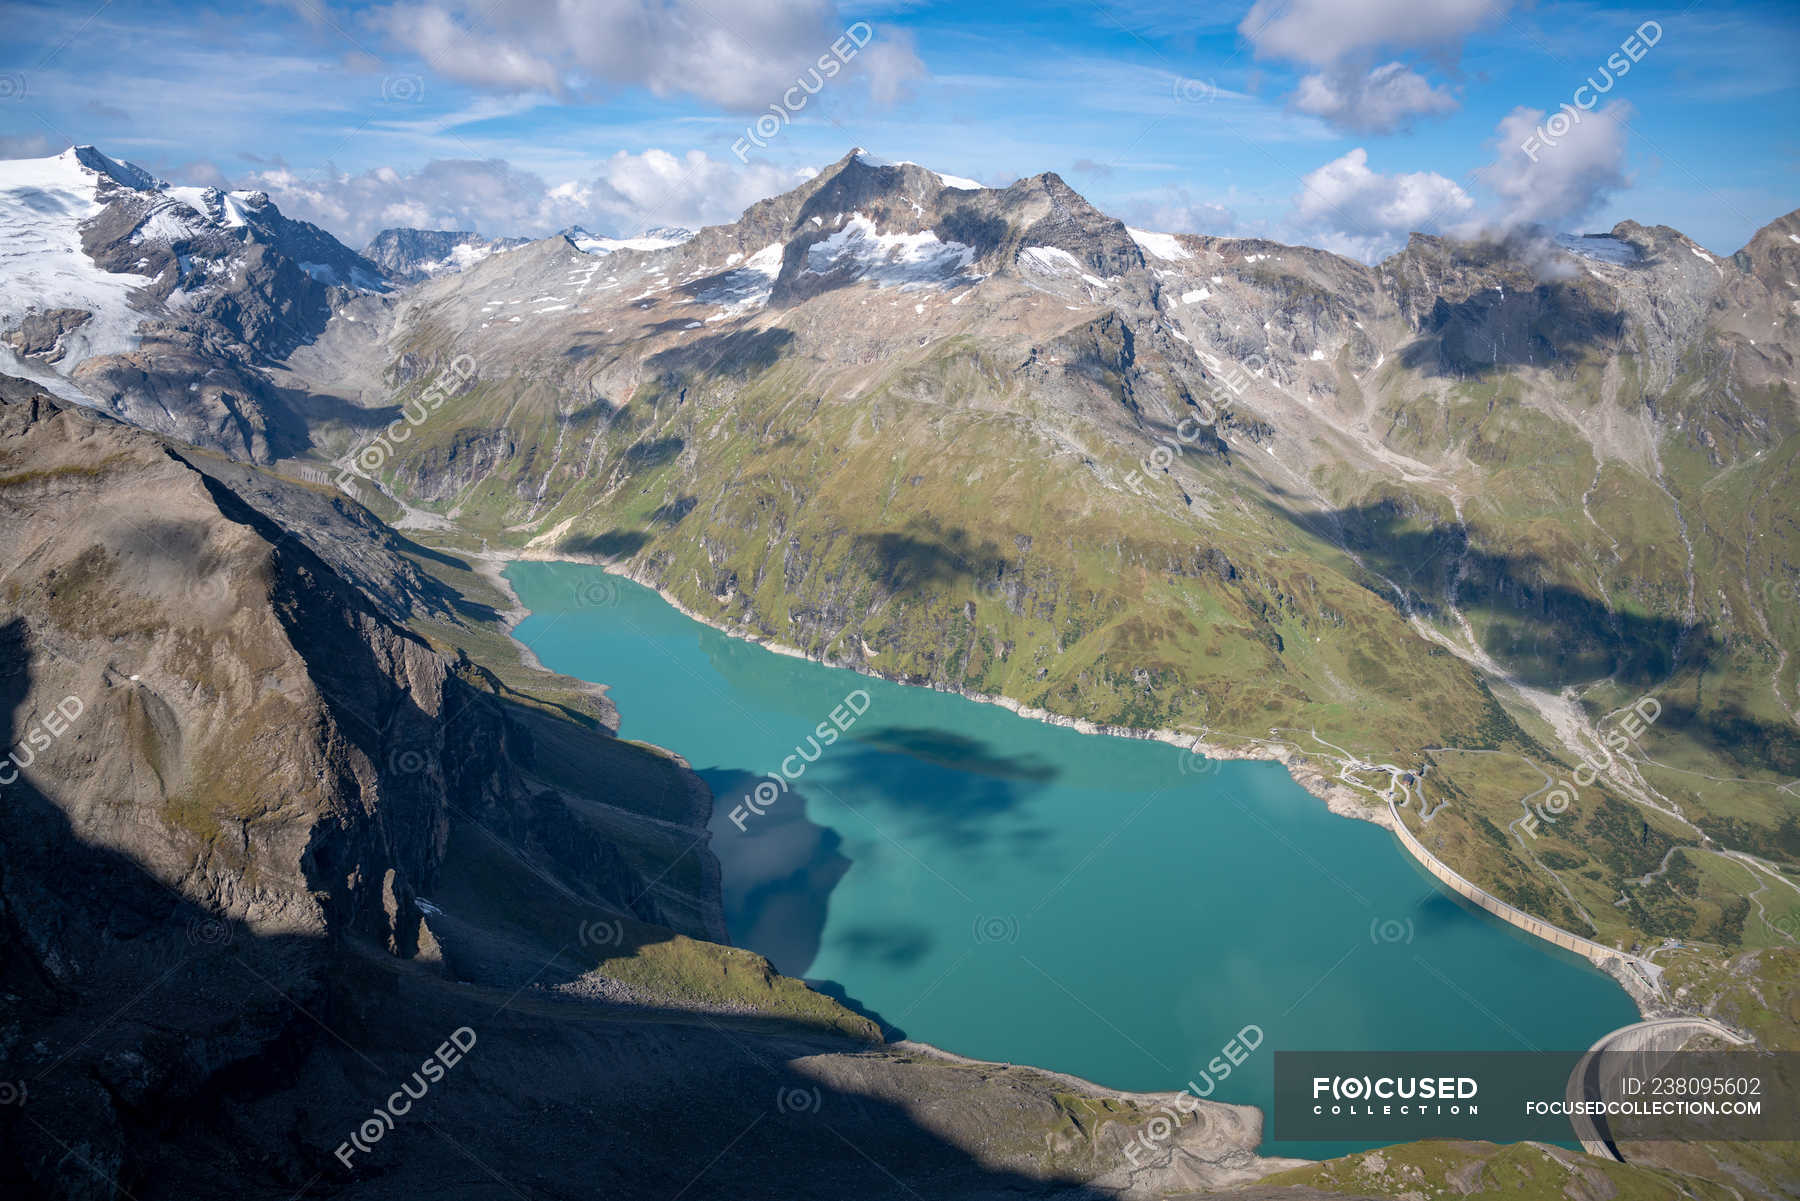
[(1560, 1096)]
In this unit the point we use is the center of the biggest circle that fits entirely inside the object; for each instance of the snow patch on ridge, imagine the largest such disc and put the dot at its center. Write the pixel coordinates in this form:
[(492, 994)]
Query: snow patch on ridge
[(745, 287), (461, 258), (1054, 260), (1162, 246), (656, 239), (1599, 247), (949, 181), (211, 203), (905, 261), (169, 223), (959, 181)]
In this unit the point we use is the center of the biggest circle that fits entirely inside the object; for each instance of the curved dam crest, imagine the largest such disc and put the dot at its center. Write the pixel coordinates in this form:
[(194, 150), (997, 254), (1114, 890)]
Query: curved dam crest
[(1018, 891)]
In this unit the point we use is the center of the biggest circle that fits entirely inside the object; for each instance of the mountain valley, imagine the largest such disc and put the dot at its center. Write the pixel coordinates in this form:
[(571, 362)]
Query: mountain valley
[(1427, 532)]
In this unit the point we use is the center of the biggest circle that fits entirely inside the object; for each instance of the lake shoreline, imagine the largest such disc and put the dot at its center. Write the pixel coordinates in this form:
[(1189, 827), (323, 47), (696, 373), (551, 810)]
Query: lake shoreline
[(1338, 798)]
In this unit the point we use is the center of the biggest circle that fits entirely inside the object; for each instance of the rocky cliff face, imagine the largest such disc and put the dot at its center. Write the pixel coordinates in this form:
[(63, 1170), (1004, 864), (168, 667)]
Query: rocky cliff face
[(223, 750)]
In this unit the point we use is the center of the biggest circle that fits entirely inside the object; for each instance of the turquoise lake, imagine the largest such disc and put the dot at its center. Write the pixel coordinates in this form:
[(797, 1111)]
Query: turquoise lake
[(1016, 891)]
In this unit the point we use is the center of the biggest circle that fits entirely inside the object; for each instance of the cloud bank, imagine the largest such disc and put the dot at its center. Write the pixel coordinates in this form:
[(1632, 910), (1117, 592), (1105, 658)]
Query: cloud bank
[(739, 56), (1542, 179), (628, 193), (1355, 211), (1542, 175)]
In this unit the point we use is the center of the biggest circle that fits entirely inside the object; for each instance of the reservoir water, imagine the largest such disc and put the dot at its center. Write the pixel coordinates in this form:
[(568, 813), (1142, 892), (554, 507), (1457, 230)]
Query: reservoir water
[(1016, 891)]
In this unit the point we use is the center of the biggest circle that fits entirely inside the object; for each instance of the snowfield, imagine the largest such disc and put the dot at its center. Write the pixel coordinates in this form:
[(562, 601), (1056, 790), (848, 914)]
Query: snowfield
[(747, 287), (1162, 246), (1054, 260), (904, 261), (43, 203), (1599, 247), (589, 243)]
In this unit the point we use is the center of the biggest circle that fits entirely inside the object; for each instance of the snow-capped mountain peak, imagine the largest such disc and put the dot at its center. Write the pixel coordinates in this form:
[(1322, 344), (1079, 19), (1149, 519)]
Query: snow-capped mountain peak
[(114, 284), (56, 303), (125, 174), (949, 181)]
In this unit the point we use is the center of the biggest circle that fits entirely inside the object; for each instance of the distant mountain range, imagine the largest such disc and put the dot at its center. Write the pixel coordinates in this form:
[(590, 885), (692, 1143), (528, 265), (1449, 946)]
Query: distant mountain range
[(412, 255)]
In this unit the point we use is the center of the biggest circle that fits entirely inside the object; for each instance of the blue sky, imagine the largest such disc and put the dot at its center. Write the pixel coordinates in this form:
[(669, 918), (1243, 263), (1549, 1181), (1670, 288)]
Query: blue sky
[(1342, 123)]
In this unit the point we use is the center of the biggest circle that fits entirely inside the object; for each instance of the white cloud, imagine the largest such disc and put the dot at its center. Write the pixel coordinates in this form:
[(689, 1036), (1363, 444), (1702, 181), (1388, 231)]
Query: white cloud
[(1559, 175), (1353, 210), (1547, 171), (626, 194), (1344, 38), (742, 56), (1324, 32), (1384, 100), (457, 51), (1174, 210), (29, 145)]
